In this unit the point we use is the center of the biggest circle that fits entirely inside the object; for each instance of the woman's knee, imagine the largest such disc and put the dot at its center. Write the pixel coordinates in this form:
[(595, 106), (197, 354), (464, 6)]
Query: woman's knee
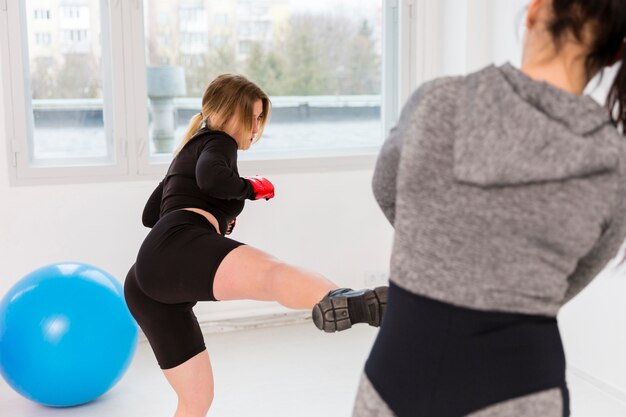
[(196, 403), (193, 383)]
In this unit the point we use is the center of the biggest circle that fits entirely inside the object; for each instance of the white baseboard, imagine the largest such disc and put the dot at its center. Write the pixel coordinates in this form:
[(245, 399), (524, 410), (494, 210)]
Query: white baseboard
[(604, 386), (255, 322), (248, 319)]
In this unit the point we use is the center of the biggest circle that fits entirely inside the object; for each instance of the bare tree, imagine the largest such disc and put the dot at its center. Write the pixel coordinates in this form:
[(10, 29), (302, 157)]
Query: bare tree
[(319, 54), (43, 78), (79, 77), (363, 64), (266, 68), (306, 71)]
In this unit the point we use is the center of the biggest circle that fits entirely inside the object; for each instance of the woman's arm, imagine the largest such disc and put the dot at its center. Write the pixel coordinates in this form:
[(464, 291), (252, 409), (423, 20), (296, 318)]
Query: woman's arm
[(214, 175), (386, 171), (605, 249), (152, 210), (385, 174)]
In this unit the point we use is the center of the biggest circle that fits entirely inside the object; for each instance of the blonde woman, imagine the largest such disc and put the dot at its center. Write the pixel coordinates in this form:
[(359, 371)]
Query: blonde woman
[(187, 258)]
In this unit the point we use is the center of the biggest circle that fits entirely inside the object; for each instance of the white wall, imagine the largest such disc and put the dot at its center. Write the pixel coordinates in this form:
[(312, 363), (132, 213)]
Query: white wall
[(327, 222), (480, 32)]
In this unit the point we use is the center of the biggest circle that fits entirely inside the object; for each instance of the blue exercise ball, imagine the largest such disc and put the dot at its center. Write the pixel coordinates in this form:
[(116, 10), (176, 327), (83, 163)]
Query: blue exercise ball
[(66, 335)]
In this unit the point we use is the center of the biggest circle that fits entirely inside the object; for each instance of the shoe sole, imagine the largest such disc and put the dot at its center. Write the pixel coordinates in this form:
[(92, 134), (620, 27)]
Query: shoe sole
[(332, 314)]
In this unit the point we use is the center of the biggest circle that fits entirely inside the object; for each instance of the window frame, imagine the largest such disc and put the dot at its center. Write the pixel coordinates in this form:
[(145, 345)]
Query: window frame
[(18, 104), (130, 139)]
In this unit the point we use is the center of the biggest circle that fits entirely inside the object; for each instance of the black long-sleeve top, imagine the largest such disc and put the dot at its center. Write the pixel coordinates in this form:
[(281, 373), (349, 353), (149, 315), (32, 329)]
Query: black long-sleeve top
[(203, 175)]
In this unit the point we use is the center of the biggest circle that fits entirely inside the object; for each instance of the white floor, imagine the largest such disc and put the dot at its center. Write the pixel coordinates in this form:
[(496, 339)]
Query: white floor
[(286, 371)]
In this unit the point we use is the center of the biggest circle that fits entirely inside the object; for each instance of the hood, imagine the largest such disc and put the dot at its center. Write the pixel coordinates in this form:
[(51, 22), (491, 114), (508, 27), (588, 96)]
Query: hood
[(515, 130)]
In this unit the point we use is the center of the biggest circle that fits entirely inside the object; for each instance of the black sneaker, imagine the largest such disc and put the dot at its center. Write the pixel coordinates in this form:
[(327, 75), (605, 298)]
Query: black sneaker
[(343, 307)]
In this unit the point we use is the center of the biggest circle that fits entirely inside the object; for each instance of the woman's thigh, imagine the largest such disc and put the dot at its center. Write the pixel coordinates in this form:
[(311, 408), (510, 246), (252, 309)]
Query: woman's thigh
[(243, 273), (171, 329), (247, 273)]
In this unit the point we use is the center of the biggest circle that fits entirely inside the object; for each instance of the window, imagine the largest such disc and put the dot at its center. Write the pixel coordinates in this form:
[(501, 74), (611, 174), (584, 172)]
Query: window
[(73, 12), (320, 63), (193, 15), (66, 97), (220, 18), (106, 89), (65, 92), (41, 14), (43, 38), (74, 36), (60, 88)]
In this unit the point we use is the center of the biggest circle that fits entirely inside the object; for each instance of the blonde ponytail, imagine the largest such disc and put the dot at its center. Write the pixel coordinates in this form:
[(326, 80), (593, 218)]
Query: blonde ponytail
[(194, 125)]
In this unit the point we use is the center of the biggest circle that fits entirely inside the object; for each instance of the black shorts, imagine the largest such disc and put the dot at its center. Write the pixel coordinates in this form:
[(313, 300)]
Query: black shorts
[(175, 268), (436, 359)]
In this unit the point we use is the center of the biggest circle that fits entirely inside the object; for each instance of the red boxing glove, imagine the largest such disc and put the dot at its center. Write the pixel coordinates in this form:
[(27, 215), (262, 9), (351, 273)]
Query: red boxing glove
[(262, 187)]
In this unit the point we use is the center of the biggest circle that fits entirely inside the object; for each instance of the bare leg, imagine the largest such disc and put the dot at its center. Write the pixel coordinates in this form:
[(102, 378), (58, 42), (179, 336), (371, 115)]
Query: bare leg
[(250, 274), (193, 383), (247, 273)]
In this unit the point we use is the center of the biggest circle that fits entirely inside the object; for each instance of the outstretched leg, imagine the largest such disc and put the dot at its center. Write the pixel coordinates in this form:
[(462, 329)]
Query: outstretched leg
[(248, 273)]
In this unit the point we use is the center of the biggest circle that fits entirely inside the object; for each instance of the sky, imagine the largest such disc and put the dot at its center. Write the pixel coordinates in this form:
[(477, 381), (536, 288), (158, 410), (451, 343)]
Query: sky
[(367, 8)]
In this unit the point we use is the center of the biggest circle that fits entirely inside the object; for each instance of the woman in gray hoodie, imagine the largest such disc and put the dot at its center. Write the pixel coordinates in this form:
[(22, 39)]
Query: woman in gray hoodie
[(506, 189)]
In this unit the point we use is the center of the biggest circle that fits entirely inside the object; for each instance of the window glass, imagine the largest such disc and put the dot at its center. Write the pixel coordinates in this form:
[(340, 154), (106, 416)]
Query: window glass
[(64, 61), (320, 62)]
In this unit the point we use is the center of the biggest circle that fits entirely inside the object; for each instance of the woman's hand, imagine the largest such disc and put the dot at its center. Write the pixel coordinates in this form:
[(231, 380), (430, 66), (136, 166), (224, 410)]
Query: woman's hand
[(262, 187)]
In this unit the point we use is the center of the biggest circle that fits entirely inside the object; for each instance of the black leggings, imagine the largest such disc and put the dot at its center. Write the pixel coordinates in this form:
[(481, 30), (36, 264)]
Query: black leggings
[(435, 359), (175, 269)]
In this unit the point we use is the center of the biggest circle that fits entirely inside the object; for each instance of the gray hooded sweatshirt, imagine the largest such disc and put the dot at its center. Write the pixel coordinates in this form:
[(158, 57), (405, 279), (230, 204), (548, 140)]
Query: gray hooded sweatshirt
[(506, 193)]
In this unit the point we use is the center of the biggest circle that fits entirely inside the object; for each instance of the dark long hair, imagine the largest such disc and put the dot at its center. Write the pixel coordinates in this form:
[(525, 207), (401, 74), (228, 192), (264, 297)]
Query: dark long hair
[(607, 18)]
